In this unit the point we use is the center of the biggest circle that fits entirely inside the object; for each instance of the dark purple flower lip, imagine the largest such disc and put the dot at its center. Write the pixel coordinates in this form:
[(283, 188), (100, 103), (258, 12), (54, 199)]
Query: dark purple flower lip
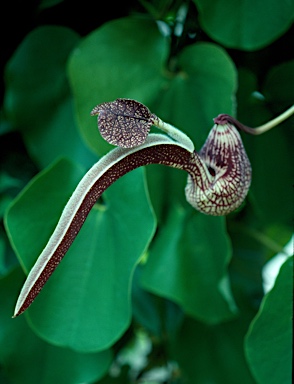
[(125, 123)]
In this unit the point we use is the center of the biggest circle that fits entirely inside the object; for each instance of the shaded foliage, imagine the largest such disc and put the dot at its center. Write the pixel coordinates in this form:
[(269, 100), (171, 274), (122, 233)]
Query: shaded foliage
[(145, 262)]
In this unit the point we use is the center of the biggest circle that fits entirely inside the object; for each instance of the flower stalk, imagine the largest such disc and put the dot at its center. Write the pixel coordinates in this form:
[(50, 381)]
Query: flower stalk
[(262, 128)]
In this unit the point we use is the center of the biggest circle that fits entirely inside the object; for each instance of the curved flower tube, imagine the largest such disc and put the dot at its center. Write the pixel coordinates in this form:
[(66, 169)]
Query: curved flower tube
[(225, 158), (219, 175)]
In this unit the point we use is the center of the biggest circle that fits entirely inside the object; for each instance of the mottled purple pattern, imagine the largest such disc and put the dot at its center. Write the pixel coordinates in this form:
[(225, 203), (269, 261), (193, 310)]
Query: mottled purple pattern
[(218, 182), (166, 154), (226, 158), (123, 122)]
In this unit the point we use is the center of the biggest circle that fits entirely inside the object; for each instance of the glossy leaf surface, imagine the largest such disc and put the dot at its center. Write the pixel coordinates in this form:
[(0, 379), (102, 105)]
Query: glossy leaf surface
[(245, 24), (268, 346), (209, 352), (23, 353), (38, 100), (190, 267)]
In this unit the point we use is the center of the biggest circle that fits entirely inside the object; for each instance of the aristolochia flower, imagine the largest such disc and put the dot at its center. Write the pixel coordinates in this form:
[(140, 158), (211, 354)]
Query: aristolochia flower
[(219, 175)]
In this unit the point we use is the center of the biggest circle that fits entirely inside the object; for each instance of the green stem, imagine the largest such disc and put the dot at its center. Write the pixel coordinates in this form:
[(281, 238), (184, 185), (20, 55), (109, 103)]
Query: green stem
[(224, 119), (278, 120), (174, 133)]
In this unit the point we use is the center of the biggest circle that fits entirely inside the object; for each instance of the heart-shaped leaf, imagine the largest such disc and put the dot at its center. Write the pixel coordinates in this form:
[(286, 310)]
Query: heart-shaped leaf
[(22, 352), (38, 100), (187, 264)]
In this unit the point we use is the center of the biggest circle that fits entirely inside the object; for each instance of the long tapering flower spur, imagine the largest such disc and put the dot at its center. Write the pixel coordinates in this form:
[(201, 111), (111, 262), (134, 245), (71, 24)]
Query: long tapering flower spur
[(219, 176)]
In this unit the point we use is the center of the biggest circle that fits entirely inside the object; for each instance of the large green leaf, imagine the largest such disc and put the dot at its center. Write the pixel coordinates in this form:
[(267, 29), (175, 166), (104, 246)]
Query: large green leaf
[(214, 353), (27, 359), (277, 87), (245, 24), (271, 154), (188, 264), (38, 99), (211, 354), (123, 58), (90, 290), (127, 58), (156, 314), (203, 87), (268, 343), (272, 176)]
